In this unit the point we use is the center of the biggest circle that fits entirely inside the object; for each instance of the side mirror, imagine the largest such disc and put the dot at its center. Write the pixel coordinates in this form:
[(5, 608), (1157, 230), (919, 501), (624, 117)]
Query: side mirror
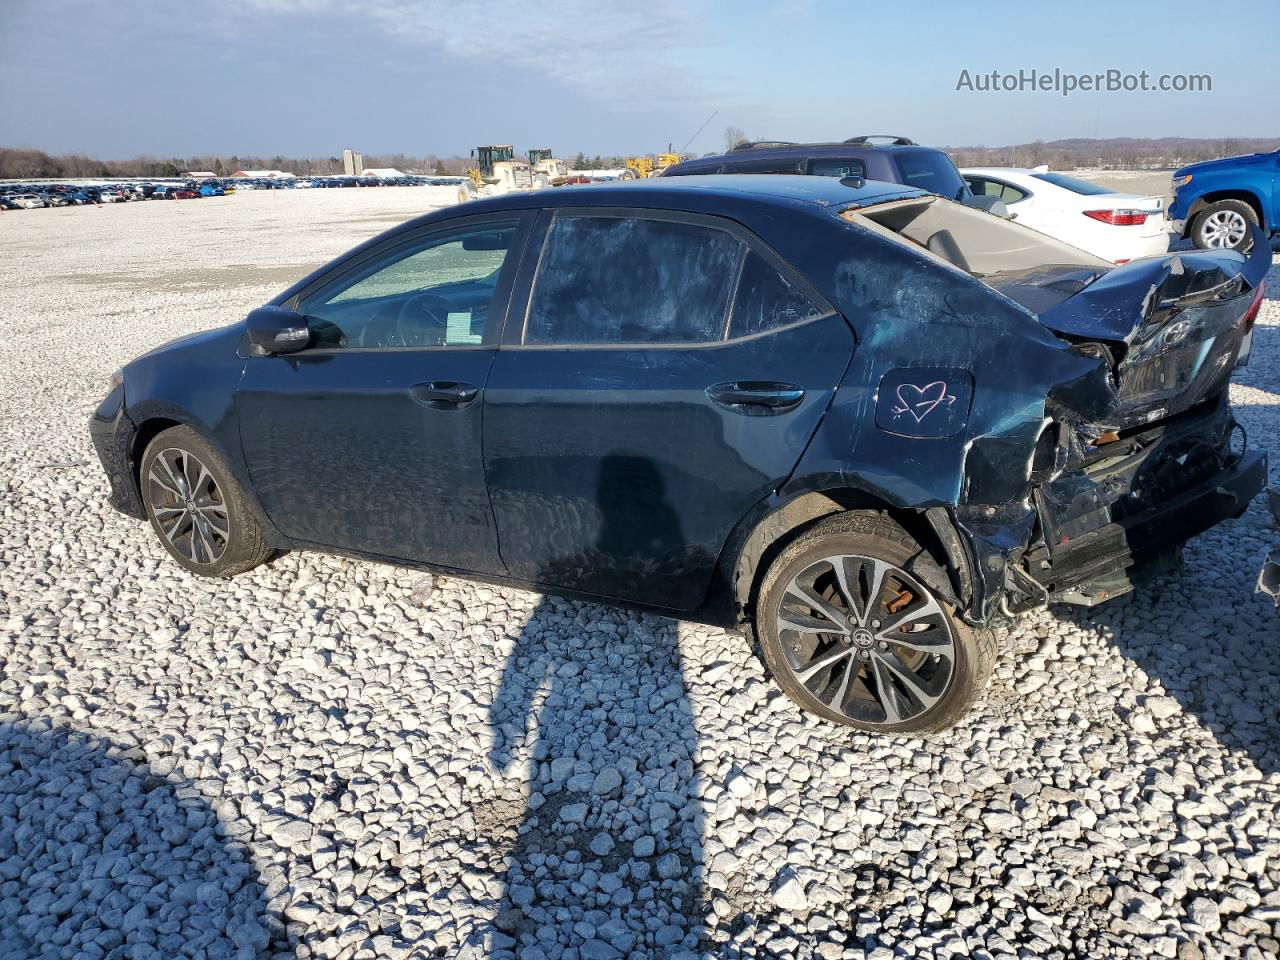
[(277, 330)]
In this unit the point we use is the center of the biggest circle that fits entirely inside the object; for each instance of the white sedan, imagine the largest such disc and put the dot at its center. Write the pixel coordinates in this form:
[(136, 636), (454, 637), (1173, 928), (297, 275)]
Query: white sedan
[(1114, 226)]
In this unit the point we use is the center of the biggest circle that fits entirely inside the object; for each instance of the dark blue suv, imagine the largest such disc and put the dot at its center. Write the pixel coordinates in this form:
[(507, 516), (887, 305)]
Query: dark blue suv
[(898, 161), (858, 419)]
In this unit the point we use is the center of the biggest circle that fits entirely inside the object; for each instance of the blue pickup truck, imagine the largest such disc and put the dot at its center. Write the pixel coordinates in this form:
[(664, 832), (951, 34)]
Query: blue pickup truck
[(1215, 202)]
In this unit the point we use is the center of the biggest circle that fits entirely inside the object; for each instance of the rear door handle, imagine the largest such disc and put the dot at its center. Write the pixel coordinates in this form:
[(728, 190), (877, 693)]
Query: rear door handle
[(444, 394), (756, 396)]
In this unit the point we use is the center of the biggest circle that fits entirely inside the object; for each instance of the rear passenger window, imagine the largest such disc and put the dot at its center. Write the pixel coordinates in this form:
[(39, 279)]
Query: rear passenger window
[(766, 299), (632, 280), (837, 168), (763, 166)]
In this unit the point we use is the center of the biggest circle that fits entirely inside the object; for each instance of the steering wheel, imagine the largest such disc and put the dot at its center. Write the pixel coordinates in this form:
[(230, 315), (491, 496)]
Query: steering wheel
[(423, 321)]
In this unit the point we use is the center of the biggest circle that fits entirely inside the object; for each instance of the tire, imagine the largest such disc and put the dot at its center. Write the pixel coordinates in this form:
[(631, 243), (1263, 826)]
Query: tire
[(1216, 227), (197, 509), (932, 683)]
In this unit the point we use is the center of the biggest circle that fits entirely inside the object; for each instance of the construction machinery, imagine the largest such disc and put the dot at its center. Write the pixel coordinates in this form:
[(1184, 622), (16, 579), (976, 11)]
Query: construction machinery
[(550, 168), (496, 171), (649, 165)]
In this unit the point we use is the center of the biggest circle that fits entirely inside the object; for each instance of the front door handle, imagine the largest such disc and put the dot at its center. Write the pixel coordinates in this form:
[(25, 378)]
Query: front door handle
[(444, 394), (758, 397)]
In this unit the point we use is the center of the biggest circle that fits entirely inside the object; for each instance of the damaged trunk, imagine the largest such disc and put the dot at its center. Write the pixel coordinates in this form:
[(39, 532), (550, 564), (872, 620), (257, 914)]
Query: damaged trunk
[(1132, 448), (1118, 486)]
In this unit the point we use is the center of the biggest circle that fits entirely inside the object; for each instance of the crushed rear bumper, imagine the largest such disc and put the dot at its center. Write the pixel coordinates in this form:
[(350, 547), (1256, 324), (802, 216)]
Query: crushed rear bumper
[(1269, 576), (1094, 566)]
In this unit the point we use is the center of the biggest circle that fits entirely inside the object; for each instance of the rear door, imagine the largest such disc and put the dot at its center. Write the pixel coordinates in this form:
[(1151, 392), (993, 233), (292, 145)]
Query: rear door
[(665, 374)]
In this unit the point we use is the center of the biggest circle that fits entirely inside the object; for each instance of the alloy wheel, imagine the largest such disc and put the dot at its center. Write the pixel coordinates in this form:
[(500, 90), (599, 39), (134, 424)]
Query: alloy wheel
[(1224, 229), (188, 505), (867, 639)]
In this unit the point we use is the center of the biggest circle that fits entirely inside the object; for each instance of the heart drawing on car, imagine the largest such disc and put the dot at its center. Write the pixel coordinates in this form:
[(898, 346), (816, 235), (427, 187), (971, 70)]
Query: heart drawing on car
[(921, 401)]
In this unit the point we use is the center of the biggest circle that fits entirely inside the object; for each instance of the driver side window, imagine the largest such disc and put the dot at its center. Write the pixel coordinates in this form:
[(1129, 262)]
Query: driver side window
[(433, 292)]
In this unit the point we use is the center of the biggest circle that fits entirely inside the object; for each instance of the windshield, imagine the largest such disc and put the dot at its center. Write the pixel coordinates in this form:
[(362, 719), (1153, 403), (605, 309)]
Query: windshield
[(1071, 183), (933, 171)]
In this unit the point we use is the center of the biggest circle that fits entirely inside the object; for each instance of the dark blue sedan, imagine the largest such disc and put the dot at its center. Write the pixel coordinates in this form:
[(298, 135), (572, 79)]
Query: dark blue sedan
[(865, 422)]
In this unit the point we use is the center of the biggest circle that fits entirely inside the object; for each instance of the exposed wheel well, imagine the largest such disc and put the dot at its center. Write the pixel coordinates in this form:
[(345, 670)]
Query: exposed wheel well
[(944, 564), (1244, 196), (145, 433)]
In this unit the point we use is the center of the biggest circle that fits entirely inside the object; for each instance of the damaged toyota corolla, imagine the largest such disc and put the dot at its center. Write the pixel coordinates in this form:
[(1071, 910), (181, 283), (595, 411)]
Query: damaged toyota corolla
[(865, 424)]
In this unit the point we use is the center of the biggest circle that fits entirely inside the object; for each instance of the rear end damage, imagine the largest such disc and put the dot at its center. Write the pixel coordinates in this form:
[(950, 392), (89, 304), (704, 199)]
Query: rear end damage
[(1141, 456), (1061, 423), (1269, 576)]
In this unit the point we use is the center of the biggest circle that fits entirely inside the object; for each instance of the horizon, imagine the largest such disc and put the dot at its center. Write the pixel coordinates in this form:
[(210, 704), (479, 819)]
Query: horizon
[(257, 77), (1233, 142)]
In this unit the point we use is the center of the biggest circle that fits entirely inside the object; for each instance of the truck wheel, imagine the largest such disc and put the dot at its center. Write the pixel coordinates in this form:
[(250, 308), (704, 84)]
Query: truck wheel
[(1225, 225), (851, 636), (197, 508)]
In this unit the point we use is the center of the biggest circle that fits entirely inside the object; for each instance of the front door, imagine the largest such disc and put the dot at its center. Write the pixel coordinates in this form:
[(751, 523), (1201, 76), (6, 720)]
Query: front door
[(369, 439), (668, 375)]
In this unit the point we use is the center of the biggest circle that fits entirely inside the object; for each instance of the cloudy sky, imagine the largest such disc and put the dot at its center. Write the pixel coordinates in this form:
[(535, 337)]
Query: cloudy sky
[(115, 78)]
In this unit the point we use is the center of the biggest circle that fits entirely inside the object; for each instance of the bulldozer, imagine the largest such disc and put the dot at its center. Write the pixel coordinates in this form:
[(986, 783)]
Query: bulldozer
[(663, 160), (496, 171), (546, 166), (638, 168), (648, 165)]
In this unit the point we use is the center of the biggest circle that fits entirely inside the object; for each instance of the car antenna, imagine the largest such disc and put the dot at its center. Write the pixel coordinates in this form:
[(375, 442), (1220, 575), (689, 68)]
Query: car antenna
[(699, 130)]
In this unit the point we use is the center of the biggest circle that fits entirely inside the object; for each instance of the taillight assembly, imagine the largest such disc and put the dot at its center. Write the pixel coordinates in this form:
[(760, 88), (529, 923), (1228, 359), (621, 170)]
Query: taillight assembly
[(1120, 218), (1246, 325), (1251, 315)]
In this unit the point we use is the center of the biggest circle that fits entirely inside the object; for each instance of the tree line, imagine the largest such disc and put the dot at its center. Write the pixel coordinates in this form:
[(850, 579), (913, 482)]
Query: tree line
[(30, 164), (1118, 153)]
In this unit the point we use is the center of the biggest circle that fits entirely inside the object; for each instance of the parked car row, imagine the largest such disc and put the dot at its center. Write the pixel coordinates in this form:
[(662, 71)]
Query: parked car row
[(405, 181), (36, 195), (32, 196)]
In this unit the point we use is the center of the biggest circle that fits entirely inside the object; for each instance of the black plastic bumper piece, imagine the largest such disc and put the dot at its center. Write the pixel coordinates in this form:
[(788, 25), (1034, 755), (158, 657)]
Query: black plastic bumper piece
[(1269, 576), (112, 433), (1099, 554)]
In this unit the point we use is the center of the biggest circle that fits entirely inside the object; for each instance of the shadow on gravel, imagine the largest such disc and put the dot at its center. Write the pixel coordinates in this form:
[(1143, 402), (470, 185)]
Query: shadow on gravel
[(607, 859), (1218, 663), (100, 858)]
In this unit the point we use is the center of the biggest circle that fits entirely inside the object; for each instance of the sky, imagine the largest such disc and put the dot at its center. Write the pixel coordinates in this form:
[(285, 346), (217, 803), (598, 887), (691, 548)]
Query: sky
[(119, 78)]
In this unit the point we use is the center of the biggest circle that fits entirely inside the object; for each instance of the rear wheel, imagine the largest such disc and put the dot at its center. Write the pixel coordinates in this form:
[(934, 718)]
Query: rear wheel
[(851, 635), (196, 507), (1225, 225)]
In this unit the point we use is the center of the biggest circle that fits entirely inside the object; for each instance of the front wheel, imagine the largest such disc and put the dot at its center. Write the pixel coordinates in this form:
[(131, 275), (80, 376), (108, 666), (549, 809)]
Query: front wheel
[(1225, 225), (850, 635), (197, 508)]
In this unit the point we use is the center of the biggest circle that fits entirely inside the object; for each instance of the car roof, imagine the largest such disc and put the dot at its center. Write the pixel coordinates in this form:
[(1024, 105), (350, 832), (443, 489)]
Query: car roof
[(802, 151), (784, 190)]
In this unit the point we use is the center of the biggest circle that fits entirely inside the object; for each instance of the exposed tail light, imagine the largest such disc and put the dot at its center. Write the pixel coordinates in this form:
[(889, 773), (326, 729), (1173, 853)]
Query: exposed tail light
[(1120, 218), (1251, 315), (1246, 324)]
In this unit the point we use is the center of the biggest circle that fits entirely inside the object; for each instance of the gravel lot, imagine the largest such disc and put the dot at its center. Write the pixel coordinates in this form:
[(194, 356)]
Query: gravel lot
[(339, 759)]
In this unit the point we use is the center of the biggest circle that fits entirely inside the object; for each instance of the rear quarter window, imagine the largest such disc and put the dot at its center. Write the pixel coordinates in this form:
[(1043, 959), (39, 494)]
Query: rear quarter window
[(766, 300)]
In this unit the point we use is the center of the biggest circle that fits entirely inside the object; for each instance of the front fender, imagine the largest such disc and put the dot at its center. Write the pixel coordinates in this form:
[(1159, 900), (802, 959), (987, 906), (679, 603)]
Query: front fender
[(193, 381)]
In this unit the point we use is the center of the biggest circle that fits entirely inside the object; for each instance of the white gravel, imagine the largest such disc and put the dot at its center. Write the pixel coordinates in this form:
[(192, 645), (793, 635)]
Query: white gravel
[(330, 758)]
